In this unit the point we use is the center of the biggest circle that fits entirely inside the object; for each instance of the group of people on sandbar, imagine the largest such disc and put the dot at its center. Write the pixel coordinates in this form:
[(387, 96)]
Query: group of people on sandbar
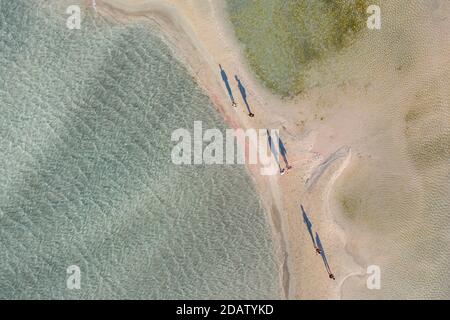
[(241, 90), (281, 149), (317, 243)]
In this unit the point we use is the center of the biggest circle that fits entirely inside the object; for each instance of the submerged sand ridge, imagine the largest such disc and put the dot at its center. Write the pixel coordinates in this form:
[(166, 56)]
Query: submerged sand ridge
[(369, 143)]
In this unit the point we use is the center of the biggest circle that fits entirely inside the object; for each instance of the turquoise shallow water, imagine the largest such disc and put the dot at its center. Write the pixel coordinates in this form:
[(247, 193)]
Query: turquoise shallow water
[(86, 176)]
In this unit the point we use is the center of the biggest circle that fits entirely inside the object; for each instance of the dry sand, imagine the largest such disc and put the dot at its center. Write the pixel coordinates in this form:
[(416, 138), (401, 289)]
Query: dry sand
[(354, 139)]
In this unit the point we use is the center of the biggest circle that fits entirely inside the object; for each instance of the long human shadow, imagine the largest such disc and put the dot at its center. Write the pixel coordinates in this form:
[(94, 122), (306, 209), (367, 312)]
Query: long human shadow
[(274, 151), (308, 226), (227, 85), (324, 257), (283, 152), (244, 96)]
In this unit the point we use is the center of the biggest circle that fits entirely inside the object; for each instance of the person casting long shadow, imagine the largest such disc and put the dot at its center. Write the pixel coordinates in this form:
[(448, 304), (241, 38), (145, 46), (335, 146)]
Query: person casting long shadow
[(227, 85), (283, 152), (324, 257), (244, 96), (309, 227), (274, 152)]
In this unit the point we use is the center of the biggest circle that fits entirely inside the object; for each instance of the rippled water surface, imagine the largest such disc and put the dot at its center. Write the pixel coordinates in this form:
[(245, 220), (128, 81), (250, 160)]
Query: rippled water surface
[(86, 177)]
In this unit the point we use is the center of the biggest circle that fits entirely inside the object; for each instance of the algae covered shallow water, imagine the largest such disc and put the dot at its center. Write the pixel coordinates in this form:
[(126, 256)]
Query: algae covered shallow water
[(86, 177), (283, 38)]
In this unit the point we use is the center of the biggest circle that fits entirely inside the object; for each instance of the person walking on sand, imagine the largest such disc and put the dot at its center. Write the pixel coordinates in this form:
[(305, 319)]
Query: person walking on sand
[(227, 85), (324, 258), (308, 224), (244, 96), (283, 153), (274, 153)]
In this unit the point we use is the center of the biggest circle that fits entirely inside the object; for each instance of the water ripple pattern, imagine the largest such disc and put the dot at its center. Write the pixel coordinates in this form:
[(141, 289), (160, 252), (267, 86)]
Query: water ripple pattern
[(86, 177)]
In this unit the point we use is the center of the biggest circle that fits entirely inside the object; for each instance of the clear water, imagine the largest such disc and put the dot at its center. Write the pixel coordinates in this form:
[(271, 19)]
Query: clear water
[(86, 177)]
